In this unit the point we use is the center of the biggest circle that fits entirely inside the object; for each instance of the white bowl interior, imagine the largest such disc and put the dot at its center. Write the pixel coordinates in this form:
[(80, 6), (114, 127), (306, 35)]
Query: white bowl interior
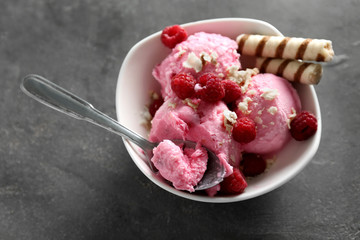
[(135, 82)]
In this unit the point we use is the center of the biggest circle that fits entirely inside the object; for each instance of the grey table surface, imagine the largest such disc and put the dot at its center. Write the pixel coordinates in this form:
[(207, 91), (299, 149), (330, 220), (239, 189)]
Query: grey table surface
[(66, 179)]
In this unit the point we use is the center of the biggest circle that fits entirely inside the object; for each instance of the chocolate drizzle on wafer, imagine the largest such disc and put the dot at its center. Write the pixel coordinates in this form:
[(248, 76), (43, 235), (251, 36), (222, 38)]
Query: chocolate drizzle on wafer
[(264, 65), (280, 48), (302, 48), (299, 72), (242, 42), (260, 46), (282, 67), (320, 58)]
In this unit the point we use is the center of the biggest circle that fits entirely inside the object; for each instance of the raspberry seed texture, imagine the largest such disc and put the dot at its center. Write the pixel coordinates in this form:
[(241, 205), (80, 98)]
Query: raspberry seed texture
[(244, 130), (253, 164), (183, 85), (212, 90), (303, 126), (232, 91), (173, 35), (235, 183)]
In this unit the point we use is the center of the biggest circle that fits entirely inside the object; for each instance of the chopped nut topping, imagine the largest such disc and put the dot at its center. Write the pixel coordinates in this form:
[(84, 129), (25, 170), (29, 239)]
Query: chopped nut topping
[(190, 103), (269, 94), (241, 77), (291, 117), (194, 62), (205, 57), (180, 53), (244, 105), (272, 110), (229, 119), (261, 111), (258, 120), (172, 105), (252, 92)]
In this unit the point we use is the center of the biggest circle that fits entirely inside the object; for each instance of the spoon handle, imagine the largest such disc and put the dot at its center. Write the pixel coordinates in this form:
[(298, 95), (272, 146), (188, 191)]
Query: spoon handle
[(60, 99)]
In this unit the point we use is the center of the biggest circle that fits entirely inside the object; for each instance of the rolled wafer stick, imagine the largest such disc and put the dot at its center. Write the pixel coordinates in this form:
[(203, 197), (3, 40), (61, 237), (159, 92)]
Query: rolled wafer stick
[(292, 70), (319, 50)]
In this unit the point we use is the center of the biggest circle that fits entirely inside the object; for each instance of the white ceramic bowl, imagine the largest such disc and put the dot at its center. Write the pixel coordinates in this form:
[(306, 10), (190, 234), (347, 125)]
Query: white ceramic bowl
[(132, 94)]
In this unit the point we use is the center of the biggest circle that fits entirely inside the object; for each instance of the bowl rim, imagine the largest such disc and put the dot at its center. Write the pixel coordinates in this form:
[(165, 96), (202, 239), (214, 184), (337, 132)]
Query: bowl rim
[(131, 148)]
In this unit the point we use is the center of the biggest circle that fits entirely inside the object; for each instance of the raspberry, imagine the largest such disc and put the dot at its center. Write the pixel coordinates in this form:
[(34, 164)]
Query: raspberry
[(183, 85), (244, 130), (155, 105), (303, 126), (212, 90), (206, 77), (235, 183), (253, 164), (173, 35), (232, 91)]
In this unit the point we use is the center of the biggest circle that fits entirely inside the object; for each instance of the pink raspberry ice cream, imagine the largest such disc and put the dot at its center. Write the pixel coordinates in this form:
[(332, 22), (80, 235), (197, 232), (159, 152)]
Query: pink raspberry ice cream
[(184, 168), (200, 53), (268, 100), (203, 124)]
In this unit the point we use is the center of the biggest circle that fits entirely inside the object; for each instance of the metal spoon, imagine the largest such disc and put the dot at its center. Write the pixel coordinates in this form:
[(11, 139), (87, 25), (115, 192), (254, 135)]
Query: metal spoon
[(60, 99)]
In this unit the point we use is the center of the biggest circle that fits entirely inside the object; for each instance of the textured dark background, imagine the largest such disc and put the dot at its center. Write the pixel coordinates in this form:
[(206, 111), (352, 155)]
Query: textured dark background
[(65, 179)]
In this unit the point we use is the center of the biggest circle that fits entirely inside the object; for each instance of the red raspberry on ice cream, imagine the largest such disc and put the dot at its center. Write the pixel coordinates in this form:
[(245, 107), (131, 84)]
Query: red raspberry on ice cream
[(173, 35), (235, 183), (155, 105), (253, 164), (212, 88), (232, 91), (183, 85), (244, 130), (303, 126)]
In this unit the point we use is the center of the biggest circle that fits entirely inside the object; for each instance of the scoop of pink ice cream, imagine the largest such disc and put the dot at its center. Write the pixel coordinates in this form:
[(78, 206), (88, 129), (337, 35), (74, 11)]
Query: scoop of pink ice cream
[(212, 133), (200, 53), (270, 101), (202, 123), (172, 121), (184, 168)]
